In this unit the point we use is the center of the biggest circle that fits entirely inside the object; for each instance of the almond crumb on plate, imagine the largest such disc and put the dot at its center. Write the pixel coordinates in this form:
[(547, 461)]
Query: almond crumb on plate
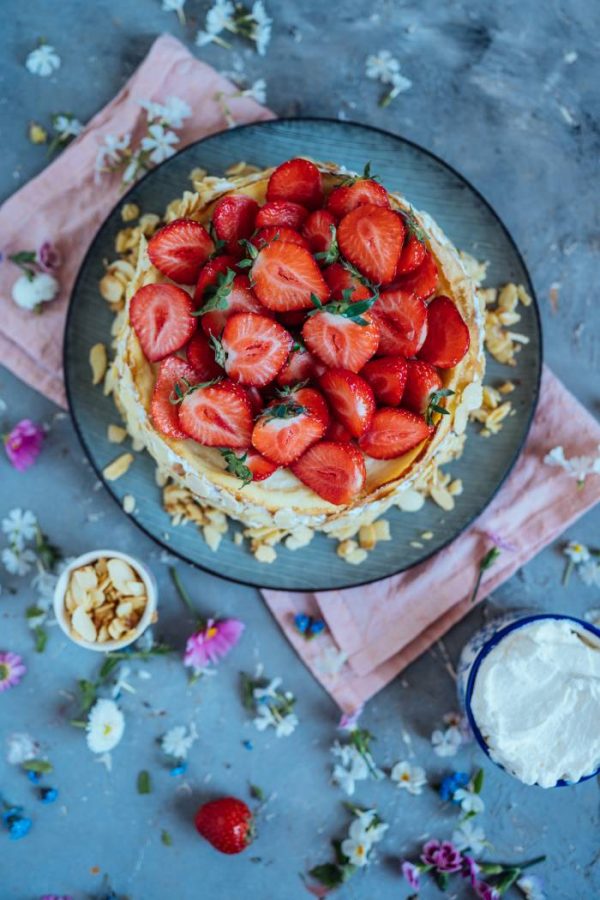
[(98, 362), (116, 434), (118, 467)]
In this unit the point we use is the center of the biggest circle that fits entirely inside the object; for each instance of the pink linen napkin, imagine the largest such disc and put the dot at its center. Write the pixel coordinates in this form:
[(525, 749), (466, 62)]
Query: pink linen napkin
[(380, 628), (66, 205)]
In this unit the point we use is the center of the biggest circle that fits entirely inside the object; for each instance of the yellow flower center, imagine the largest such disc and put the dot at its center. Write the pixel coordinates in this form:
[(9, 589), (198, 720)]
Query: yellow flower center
[(210, 632), (405, 777), (106, 730)]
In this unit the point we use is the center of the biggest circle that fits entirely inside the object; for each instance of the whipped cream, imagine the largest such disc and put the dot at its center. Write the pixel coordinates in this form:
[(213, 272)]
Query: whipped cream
[(536, 701)]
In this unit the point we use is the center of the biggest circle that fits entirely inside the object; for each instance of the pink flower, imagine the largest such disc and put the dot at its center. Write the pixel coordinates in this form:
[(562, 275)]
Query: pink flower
[(48, 257), (412, 874), (23, 444), (470, 869), (444, 856), (11, 670), (485, 891), (349, 721), (212, 643)]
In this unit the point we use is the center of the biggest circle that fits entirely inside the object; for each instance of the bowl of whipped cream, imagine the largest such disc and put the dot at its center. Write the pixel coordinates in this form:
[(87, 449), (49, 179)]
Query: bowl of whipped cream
[(530, 687)]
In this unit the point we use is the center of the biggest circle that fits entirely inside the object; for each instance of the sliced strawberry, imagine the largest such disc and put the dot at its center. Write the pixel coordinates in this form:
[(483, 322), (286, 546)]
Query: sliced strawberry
[(371, 238), (314, 402), (282, 233), (299, 366), (218, 415), (408, 317), (422, 282), (345, 198), (413, 254), (388, 335), (257, 401), (421, 381), (233, 218), (336, 472), (338, 338), (448, 336), (200, 355), (337, 432), (351, 399), (285, 276), (393, 432), (295, 318), (227, 298), (260, 467), (319, 230), (340, 279), (286, 429), (256, 348), (209, 274), (297, 180), (164, 414), (179, 250), (279, 213), (387, 377), (161, 316)]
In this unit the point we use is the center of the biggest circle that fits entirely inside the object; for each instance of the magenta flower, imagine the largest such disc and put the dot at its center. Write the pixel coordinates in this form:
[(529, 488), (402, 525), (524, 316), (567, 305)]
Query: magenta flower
[(12, 670), (412, 874), (470, 869), (349, 721), (485, 891), (444, 856), (212, 643), (23, 444), (48, 257)]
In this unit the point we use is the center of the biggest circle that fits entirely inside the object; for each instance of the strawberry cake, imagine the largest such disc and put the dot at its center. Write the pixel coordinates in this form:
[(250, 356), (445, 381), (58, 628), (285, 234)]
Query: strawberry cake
[(299, 348)]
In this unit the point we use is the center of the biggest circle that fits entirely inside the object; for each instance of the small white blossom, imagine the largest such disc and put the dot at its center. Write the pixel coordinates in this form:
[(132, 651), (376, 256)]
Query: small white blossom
[(356, 850), (110, 153), (160, 143), (577, 552), (178, 741), (362, 834), (44, 60), (21, 747), (257, 91), (589, 573), (105, 726), (218, 18), (30, 291), (446, 743), (531, 886), (470, 802), (261, 694), (578, 467), (175, 6), (121, 684), (469, 837), (265, 718), (375, 831), (410, 778), (385, 68), (172, 112), (331, 661), (18, 562), (262, 29), (19, 526), (67, 126), (352, 767)]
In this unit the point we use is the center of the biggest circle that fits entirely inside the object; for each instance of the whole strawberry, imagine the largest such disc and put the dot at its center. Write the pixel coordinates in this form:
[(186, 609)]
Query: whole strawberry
[(226, 823)]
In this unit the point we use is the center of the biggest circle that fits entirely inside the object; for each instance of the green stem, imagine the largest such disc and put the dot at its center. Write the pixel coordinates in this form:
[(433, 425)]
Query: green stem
[(185, 597), (567, 573), (477, 586)]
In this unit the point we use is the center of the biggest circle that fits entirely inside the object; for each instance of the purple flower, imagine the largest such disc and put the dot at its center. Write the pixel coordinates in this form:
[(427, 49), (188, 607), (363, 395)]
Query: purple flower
[(470, 869), (23, 444), (500, 542), (12, 670), (444, 856), (412, 874), (349, 721), (485, 891), (56, 897), (212, 643), (48, 257)]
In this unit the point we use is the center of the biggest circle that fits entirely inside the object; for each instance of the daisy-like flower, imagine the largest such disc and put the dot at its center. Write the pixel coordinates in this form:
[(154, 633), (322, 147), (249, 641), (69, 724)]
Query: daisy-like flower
[(578, 467), (212, 642), (577, 552), (18, 562), (178, 741), (469, 801), (176, 6), (365, 830), (105, 726), (469, 837), (410, 778), (159, 143), (371, 824), (532, 887), (12, 670), (218, 18), (20, 747), (385, 68), (356, 850), (44, 60), (446, 743), (19, 526), (31, 291)]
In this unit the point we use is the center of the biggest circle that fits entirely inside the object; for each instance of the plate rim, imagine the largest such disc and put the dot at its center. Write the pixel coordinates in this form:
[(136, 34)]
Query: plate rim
[(269, 123)]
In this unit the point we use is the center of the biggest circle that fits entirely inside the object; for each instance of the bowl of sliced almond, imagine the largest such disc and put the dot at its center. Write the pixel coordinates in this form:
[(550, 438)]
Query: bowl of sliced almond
[(105, 600)]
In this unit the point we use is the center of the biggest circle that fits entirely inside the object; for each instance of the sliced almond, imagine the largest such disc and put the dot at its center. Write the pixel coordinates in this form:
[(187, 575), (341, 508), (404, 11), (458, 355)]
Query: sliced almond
[(121, 574), (134, 588), (129, 212), (124, 609), (98, 362), (116, 434), (116, 629), (97, 597), (83, 625), (265, 554), (118, 467), (128, 503), (382, 530), (103, 635)]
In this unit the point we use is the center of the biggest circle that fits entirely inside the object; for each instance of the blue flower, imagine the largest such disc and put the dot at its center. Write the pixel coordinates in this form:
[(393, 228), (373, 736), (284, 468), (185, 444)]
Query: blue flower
[(248, 745), (48, 794), (34, 777), (308, 626), (451, 783), (179, 769), (16, 824)]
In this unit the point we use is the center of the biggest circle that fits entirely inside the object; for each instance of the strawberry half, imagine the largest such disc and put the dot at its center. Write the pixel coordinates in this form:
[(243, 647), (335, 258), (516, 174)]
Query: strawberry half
[(209, 275), (180, 249), (387, 377), (347, 197), (281, 212), (285, 276), (256, 348), (413, 254), (297, 180), (371, 238), (337, 432), (233, 218), (340, 279), (299, 366), (286, 429), (164, 414), (423, 281), (422, 380), (319, 231), (407, 315), (351, 399), (393, 432), (231, 294), (336, 472), (161, 316), (217, 415), (225, 823), (313, 401), (343, 335), (448, 336), (282, 233), (200, 354)]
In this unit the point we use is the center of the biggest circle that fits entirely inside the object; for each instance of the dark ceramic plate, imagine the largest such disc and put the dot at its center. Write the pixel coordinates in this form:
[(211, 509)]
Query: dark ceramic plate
[(469, 222)]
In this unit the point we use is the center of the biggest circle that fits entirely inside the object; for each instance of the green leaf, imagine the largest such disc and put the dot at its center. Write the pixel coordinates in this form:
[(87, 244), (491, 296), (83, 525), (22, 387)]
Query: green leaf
[(489, 559), (41, 766), (257, 793), (182, 388), (217, 294), (144, 784), (236, 466), (332, 253), (41, 639), (220, 355), (315, 301), (340, 858), (507, 880), (247, 686), (413, 226), (286, 410), (478, 781), (32, 612), (442, 879), (328, 874), (24, 257), (166, 838), (88, 694), (47, 553), (108, 667), (434, 406)]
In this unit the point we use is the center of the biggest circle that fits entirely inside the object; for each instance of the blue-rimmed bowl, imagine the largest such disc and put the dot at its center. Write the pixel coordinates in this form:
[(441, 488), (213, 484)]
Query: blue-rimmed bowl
[(481, 644)]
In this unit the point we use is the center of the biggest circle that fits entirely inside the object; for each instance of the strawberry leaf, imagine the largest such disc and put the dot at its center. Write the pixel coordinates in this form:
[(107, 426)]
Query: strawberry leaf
[(332, 253), (286, 410), (434, 404), (235, 465), (182, 388), (217, 294)]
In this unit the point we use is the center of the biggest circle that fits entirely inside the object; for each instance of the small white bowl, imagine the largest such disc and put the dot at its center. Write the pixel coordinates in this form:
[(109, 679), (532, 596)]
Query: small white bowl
[(85, 559)]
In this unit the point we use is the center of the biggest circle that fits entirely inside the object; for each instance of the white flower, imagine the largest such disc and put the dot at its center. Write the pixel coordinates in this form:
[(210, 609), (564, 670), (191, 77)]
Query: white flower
[(469, 837), (132, 169), (531, 887), (577, 552), (121, 684), (331, 661), (590, 573), (175, 6), (178, 741), (352, 767), (67, 126), (262, 29), (19, 527), (356, 850), (29, 292), (385, 68), (470, 802), (257, 91), (161, 143), (111, 151), (44, 60), (105, 726), (218, 18), (578, 467), (18, 562), (365, 826), (175, 111), (44, 583), (264, 718), (411, 778), (286, 725), (20, 748), (261, 694), (446, 743)]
